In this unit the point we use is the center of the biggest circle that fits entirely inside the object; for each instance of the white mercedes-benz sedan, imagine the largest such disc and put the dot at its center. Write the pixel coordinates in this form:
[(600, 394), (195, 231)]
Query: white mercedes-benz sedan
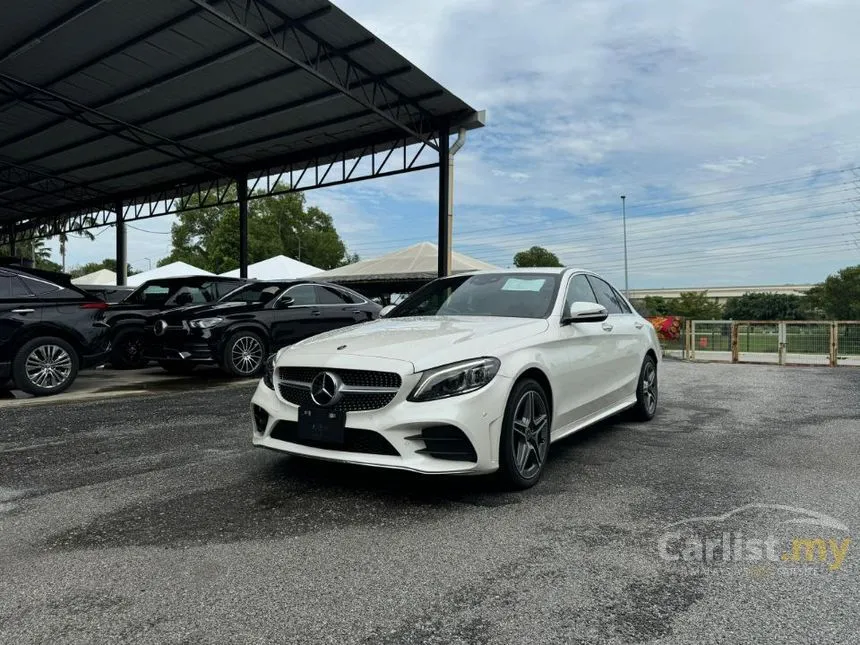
[(473, 373)]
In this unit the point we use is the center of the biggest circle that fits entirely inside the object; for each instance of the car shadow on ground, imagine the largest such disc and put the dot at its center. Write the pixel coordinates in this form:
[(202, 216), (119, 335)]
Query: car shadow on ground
[(287, 496)]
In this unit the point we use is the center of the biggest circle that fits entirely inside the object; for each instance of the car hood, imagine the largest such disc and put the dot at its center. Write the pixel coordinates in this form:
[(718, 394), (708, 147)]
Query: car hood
[(424, 341)]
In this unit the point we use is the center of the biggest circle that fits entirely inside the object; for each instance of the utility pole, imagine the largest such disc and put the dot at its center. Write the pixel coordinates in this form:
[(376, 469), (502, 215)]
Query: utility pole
[(624, 223)]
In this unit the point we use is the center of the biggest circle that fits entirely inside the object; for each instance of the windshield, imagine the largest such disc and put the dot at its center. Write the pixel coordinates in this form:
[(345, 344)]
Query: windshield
[(175, 292), (517, 295), (254, 292)]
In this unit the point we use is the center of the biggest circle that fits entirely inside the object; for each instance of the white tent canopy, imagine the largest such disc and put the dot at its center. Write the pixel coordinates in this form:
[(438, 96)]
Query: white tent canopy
[(416, 262), (102, 277), (172, 270), (279, 267)]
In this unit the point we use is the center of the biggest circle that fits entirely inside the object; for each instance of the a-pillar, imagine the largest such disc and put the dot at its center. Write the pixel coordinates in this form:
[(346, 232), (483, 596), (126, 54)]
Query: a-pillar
[(242, 194), (121, 247)]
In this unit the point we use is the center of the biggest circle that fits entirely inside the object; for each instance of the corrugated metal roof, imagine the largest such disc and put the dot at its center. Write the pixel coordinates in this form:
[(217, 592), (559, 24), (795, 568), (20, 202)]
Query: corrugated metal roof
[(204, 98)]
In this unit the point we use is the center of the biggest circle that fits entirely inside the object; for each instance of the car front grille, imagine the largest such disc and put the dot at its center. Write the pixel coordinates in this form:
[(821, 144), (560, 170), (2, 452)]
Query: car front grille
[(357, 378), (363, 390)]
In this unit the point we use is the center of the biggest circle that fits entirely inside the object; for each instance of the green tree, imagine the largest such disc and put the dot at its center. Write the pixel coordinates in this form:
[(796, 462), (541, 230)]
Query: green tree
[(209, 237), (658, 306), (536, 256), (32, 250), (696, 305), (766, 306), (838, 297)]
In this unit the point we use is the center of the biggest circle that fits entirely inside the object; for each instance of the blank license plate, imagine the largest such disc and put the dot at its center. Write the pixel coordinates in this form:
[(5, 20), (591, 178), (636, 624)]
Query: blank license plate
[(326, 426)]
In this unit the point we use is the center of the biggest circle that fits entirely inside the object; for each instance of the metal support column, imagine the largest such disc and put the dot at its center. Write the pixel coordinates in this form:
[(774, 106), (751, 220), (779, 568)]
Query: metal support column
[(242, 195), (121, 247), (12, 239), (444, 197)]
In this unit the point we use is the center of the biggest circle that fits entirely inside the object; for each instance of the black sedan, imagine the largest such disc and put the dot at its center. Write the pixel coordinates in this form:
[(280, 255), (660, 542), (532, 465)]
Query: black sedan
[(243, 328)]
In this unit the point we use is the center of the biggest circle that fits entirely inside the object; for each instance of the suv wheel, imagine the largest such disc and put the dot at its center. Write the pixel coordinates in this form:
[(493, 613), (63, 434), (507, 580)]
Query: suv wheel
[(244, 354), (45, 366), (525, 436), (127, 352)]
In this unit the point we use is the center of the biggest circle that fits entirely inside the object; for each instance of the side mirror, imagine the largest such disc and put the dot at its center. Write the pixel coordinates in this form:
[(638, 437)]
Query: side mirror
[(580, 312), (283, 303), (385, 311)]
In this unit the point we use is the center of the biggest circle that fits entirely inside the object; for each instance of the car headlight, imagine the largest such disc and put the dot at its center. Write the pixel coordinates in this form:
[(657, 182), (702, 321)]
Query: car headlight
[(269, 373), (205, 323), (455, 379)]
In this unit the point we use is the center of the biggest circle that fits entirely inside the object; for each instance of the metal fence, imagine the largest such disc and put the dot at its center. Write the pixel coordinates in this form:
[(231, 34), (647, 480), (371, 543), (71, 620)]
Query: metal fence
[(781, 342)]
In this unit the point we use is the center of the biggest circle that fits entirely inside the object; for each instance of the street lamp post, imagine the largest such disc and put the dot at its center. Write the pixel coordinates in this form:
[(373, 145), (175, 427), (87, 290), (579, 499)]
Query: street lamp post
[(624, 223)]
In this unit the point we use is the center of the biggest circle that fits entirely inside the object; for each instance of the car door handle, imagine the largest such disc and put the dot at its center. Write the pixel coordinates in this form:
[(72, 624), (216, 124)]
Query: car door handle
[(316, 312), (607, 327), (23, 311), (639, 325)]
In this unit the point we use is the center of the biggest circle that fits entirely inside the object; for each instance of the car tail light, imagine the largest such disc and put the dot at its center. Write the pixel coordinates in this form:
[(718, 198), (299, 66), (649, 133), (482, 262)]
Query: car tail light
[(94, 305)]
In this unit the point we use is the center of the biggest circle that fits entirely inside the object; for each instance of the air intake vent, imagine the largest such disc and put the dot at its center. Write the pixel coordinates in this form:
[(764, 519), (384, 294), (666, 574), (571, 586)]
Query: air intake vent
[(446, 442)]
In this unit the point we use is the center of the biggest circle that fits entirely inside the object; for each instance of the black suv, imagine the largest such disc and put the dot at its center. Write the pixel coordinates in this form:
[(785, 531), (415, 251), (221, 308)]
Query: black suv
[(239, 332), (127, 317), (49, 329)]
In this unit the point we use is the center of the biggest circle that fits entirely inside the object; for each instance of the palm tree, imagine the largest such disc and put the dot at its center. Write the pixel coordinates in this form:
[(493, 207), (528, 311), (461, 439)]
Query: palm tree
[(64, 238)]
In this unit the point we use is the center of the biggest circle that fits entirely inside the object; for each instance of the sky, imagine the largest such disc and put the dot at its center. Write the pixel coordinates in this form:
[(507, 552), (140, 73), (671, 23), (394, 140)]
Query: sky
[(732, 127)]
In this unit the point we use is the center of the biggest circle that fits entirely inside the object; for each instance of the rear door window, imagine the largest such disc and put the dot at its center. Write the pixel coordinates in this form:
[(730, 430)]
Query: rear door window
[(17, 288), (330, 296)]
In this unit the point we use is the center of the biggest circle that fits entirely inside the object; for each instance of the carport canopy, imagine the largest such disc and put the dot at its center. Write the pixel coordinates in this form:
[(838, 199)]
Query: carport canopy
[(116, 110)]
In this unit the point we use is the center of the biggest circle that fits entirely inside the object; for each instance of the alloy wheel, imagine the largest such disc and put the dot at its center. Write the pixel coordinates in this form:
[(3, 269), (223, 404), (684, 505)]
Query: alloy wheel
[(247, 355), (530, 434), (649, 387), (48, 366)]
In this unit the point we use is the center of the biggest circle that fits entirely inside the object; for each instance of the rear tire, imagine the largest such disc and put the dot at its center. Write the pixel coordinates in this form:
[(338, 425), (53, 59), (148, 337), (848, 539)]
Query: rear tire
[(244, 355), (646, 391), (177, 368), (127, 352), (524, 444), (45, 366)]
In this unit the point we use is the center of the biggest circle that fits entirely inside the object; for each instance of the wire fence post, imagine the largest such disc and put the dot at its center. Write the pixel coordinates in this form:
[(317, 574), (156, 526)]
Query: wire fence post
[(735, 348), (693, 341), (782, 340), (834, 344)]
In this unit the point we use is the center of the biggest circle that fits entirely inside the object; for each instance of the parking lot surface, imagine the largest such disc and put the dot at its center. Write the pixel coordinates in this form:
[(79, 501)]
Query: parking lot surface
[(152, 520)]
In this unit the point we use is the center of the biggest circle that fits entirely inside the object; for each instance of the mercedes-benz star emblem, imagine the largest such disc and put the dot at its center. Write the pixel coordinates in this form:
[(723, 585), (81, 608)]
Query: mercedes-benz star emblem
[(326, 389), (159, 327)]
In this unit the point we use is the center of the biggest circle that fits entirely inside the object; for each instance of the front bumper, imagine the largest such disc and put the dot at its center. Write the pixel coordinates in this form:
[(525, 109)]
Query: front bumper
[(179, 347), (401, 423)]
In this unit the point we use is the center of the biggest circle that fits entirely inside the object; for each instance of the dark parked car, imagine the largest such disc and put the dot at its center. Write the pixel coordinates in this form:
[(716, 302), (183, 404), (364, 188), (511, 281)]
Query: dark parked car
[(239, 332), (127, 317), (49, 329)]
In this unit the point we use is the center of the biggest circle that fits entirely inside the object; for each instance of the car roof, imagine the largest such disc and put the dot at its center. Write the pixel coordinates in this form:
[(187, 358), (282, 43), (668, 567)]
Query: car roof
[(551, 270)]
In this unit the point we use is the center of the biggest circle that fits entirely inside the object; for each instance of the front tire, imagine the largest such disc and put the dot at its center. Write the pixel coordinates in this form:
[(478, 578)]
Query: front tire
[(244, 355), (127, 352), (646, 391), (45, 366), (524, 444)]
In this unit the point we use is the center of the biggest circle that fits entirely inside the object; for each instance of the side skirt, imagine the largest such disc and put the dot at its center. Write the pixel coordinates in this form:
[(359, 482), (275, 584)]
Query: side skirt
[(594, 418)]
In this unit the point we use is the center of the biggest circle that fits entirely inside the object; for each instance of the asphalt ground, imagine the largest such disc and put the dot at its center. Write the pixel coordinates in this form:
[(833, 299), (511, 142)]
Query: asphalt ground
[(151, 519)]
